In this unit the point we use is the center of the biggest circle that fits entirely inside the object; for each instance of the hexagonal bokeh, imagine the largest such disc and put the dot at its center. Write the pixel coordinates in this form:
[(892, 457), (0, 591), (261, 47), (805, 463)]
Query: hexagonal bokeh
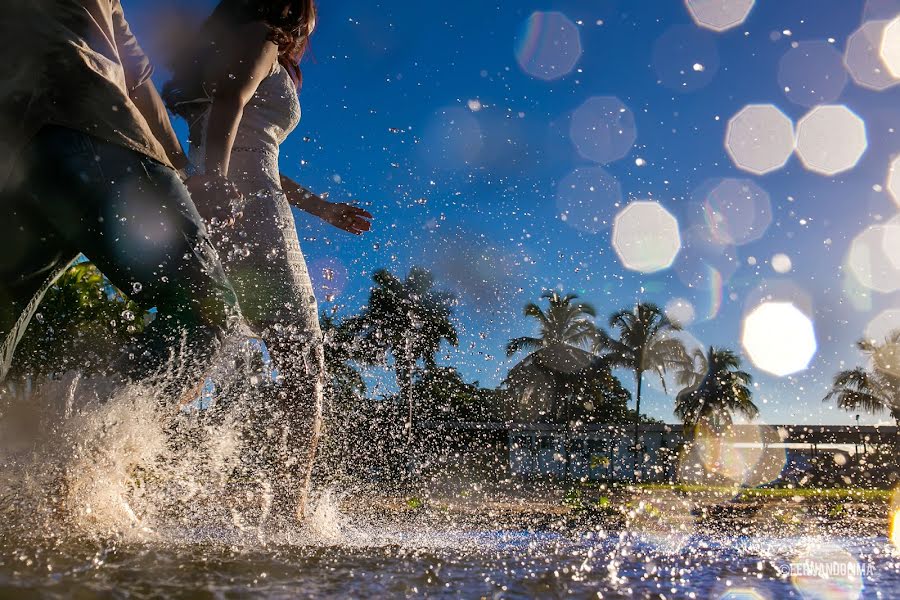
[(549, 45), (862, 57), (603, 129), (831, 139), (893, 180), (870, 258), (779, 338), (812, 73), (681, 311), (719, 15), (646, 237), (889, 51), (760, 138), (883, 325), (737, 211)]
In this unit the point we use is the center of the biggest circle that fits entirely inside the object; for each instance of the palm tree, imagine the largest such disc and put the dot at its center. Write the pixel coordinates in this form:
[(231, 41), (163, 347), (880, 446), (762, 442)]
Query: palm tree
[(407, 319), (643, 342), (558, 352), (873, 391), (564, 322), (566, 327), (715, 389)]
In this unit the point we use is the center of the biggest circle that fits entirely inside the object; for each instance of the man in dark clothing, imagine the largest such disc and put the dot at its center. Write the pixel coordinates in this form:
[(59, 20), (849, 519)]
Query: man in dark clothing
[(87, 165)]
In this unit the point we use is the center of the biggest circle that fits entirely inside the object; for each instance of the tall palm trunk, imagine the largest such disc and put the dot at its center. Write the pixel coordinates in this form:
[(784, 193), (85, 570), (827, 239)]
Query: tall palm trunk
[(639, 378)]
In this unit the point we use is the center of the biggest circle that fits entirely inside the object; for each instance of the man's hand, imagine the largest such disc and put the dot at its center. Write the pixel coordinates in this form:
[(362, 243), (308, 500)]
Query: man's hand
[(346, 217), (217, 199)]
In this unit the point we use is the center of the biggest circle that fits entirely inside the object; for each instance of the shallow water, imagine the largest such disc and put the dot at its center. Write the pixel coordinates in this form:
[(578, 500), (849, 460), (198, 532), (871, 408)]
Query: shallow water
[(75, 521), (468, 564)]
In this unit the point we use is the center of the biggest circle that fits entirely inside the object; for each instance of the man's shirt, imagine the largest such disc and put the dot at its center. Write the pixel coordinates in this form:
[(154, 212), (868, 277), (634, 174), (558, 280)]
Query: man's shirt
[(71, 63)]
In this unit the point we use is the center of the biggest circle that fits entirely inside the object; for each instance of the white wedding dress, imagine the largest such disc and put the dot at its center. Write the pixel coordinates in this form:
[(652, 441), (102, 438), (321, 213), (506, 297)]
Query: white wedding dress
[(262, 259)]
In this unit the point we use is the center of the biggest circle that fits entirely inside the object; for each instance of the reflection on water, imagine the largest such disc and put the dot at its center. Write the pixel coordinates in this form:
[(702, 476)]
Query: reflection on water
[(491, 564)]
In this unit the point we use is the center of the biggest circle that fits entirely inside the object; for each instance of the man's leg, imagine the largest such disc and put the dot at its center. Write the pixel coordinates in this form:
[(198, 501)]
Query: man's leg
[(34, 260), (134, 219)]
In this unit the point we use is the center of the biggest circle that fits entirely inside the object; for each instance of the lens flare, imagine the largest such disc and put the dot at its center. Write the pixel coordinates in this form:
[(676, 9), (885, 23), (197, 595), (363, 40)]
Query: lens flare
[(781, 263), (890, 47), (869, 261), (719, 15), (883, 325), (812, 73), (685, 59), (740, 455), (742, 594), (825, 570), (760, 138), (862, 57), (603, 129), (831, 139), (894, 519), (779, 338), (737, 211), (646, 237), (681, 311), (549, 45), (587, 199), (893, 180)]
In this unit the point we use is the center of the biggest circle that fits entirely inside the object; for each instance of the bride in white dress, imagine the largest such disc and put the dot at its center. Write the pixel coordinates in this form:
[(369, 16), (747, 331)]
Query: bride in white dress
[(237, 87)]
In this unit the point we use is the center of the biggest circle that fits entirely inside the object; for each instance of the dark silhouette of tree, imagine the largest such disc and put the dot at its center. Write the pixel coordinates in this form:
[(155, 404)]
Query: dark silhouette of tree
[(642, 342), (872, 391), (715, 389), (408, 320), (565, 329)]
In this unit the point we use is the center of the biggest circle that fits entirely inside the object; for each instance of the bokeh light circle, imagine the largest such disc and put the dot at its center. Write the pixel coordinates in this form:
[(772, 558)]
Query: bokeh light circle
[(603, 129), (781, 263), (889, 50), (737, 211), (588, 198), (759, 138), (779, 338), (862, 57), (719, 15), (740, 456), (685, 59), (883, 325), (680, 311), (831, 139), (646, 237), (893, 180), (812, 73), (869, 260), (825, 570), (549, 45)]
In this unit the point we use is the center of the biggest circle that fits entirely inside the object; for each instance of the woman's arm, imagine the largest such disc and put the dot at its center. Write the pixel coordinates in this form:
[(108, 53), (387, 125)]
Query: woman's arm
[(233, 79), (343, 216)]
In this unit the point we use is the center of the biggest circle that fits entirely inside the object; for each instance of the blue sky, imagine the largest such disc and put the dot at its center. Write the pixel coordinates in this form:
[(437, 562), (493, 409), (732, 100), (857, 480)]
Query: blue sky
[(388, 120)]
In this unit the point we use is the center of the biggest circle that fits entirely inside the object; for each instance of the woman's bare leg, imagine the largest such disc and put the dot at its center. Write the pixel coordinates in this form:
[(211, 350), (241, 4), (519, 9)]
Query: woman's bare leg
[(297, 412)]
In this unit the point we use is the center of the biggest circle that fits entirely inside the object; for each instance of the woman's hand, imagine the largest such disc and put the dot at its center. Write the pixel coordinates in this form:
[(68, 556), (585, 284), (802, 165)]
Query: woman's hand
[(217, 199), (346, 217)]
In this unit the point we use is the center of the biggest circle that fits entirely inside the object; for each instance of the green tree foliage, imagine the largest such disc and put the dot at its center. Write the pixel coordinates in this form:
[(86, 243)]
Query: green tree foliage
[(83, 322)]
